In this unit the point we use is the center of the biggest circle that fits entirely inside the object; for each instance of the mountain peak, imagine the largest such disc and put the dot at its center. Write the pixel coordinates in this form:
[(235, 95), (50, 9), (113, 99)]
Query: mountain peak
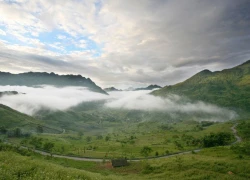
[(245, 63), (109, 89)]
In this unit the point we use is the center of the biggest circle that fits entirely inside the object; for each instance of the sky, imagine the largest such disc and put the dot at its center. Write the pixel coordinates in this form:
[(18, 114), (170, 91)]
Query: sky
[(124, 43)]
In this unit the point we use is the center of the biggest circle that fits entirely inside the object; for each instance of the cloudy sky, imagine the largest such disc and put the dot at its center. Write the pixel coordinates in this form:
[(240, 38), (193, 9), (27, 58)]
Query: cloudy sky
[(124, 43)]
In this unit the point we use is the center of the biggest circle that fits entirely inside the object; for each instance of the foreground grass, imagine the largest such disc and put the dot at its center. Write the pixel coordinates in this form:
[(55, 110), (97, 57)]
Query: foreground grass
[(228, 162), (14, 166), (211, 163)]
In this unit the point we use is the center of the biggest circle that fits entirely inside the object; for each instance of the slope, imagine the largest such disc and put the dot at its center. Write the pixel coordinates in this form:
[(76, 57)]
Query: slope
[(229, 87), (11, 119)]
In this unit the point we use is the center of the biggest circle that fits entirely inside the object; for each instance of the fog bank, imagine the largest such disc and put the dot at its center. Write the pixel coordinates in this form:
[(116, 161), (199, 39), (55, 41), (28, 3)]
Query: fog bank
[(55, 98), (47, 97)]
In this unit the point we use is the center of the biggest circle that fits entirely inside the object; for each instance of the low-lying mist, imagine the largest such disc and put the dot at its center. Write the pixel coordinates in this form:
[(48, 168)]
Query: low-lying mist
[(54, 98), (32, 99)]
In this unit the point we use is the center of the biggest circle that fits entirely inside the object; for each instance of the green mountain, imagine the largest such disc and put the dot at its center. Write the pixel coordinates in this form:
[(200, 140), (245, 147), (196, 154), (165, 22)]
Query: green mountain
[(150, 87), (10, 119), (229, 87), (39, 78)]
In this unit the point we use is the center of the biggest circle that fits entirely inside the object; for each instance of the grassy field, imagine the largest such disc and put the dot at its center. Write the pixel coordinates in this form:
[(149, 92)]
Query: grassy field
[(163, 140), (227, 162)]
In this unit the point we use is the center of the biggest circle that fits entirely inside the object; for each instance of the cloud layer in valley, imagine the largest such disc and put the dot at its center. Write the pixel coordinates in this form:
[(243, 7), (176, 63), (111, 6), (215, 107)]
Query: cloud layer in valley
[(54, 98), (30, 100), (130, 43)]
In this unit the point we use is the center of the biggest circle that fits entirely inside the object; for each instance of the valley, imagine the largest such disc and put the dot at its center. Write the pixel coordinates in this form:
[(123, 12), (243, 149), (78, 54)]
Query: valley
[(116, 90), (159, 133)]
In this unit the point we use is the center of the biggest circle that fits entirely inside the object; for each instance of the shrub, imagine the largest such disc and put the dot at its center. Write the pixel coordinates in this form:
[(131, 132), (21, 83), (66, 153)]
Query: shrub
[(146, 150), (147, 169), (219, 139)]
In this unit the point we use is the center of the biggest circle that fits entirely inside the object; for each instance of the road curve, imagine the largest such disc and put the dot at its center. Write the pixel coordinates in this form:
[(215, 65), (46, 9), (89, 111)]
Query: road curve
[(238, 139)]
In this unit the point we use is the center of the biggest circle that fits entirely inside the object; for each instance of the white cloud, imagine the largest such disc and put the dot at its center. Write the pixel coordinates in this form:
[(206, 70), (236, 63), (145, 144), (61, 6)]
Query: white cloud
[(142, 100), (47, 97), (64, 98), (3, 33), (61, 37)]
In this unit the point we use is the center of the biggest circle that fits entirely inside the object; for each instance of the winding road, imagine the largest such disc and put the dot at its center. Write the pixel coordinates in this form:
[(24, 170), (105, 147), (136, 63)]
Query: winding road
[(238, 140)]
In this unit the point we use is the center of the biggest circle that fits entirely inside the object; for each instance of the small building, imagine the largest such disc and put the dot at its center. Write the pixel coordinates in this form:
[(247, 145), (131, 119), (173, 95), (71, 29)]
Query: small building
[(119, 162)]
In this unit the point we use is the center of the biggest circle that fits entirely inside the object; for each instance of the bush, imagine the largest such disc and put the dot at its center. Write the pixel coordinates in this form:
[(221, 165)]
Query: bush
[(145, 151), (219, 139), (147, 169)]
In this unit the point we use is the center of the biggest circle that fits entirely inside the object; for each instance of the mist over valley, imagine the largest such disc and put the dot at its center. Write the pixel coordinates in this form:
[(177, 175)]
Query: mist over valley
[(113, 90)]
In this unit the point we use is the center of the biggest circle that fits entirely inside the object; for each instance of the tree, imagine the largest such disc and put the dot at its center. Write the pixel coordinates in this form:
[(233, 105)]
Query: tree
[(39, 129), (107, 138), (17, 132), (3, 130), (37, 142), (88, 138), (145, 151), (218, 139), (99, 137), (48, 146), (178, 145), (80, 134)]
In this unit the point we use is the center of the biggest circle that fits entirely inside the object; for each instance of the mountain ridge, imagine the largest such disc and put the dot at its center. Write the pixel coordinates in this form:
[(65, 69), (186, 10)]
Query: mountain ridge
[(39, 78), (150, 87), (229, 87), (109, 89)]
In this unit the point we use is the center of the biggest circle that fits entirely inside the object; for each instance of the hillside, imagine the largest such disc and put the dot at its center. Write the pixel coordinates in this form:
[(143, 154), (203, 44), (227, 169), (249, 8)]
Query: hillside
[(39, 78), (229, 87), (10, 119)]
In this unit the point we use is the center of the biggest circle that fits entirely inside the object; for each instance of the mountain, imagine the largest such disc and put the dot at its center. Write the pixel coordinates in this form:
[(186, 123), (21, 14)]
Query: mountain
[(229, 87), (39, 78), (109, 89), (129, 89), (8, 93), (150, 87)]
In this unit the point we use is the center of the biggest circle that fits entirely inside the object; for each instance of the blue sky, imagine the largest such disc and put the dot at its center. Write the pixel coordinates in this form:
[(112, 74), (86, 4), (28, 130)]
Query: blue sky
[(124, 43)]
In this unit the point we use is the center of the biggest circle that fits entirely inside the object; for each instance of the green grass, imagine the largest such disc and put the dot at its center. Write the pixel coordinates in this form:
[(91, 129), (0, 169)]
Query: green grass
[(13, 166), (129, 143), (211, 163)]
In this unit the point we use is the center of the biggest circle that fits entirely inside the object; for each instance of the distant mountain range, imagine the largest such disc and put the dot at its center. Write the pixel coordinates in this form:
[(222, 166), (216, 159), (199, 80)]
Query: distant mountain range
[(109, 89), (39, 78), (150, 87), (229, 87)]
